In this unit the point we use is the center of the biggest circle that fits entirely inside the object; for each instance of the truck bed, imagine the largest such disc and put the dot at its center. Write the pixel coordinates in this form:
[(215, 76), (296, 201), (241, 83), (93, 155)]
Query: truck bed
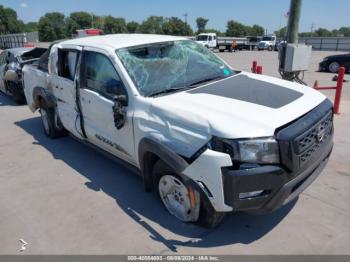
[(33, 77)]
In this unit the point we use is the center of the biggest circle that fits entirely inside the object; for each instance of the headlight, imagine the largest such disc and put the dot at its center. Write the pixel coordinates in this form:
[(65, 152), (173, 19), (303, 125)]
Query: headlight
[(325, 59), (258, 151)]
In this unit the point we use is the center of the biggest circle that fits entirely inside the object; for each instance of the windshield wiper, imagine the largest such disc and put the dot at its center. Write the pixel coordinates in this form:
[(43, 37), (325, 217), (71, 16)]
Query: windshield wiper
[(209, 79), (166, 91)]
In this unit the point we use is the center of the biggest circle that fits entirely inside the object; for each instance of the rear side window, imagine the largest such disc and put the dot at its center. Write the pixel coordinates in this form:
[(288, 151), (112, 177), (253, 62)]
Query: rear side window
[(67, 63), (98, 73)]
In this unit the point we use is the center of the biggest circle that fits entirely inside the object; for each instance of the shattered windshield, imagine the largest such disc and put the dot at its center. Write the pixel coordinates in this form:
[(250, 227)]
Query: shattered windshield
[(168, 66)]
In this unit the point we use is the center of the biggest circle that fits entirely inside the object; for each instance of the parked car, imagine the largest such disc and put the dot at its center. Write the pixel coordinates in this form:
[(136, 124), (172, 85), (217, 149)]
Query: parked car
[(333, 62), (11, 63), (207, 138)]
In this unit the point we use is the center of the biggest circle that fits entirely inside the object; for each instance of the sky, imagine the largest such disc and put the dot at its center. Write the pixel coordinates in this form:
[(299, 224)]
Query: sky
[(267, 13)]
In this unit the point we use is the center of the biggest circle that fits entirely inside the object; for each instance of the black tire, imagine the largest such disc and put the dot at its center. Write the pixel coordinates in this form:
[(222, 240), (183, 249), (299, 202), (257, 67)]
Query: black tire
[(52, 127), (221, 50), (208, 217), (270, 48), (230, 49)]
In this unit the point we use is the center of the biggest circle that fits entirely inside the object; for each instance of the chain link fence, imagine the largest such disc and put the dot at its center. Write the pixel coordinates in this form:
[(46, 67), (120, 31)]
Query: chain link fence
[(18, 40)]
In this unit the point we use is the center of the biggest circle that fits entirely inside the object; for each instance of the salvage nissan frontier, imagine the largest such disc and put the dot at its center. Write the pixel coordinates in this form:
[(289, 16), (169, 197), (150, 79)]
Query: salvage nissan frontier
[(207, 138)]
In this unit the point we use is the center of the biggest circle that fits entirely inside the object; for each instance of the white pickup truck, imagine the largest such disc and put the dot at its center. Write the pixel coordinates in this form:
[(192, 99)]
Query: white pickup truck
[(207, 138)]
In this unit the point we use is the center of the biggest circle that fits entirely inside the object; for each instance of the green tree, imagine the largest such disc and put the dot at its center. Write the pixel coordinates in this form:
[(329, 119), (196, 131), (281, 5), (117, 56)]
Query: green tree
[(78, 20), (306, 34), (98, 21), (51, 27), (152, 25), (323, 32), (236, 29), (217, 32), (132, 27), (175, 26), (201, 24), (113, 25), (256, 30), (344, 31), (31, 27), (282, 32), (9, 22)]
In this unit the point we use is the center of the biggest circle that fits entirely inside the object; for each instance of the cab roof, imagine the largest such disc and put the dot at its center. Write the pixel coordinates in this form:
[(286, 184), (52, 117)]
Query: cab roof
[(117, 41)]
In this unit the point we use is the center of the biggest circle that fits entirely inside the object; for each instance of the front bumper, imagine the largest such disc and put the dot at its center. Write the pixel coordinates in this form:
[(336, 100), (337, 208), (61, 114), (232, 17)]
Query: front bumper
[(322, 66), (305, 146), (278, 188)]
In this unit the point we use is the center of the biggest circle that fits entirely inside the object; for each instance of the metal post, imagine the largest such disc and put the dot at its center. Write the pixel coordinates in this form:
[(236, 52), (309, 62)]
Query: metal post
[(259, 70), (254, 66), (293, 21), (339, 89)]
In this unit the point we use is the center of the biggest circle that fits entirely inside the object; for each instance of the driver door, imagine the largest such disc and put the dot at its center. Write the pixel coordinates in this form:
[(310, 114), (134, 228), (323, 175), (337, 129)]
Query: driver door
[(99, 85)]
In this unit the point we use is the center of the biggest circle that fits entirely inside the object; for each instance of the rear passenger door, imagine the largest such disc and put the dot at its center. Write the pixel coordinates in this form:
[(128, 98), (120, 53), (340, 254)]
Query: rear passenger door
[(98, 74), (64, 87)]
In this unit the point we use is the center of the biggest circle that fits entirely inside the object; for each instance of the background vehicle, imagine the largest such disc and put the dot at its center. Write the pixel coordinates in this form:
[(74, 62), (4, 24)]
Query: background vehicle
[(267, 43), (183, 131), (87, 32), (210, 40), (11, 63), (251, 43), (332, 63)]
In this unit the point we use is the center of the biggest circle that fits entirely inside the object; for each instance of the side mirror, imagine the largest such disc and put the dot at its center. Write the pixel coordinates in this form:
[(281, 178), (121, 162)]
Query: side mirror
[(119, 111), (121, 100), (11, 76)]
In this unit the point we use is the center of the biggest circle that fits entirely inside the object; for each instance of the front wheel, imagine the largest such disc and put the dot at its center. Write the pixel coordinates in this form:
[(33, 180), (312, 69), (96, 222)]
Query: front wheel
[(184, 202)]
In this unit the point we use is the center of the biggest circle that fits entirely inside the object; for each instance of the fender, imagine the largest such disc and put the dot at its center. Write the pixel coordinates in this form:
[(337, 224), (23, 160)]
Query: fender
[(42, 92), (151, 145)]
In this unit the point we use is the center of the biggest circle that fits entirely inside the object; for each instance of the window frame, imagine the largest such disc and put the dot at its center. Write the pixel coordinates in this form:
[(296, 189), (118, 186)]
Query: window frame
[(82, 75)]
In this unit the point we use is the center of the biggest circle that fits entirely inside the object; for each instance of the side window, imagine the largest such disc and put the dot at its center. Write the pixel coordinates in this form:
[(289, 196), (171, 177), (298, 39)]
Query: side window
[(67, 63), (210, 38), (214, 37), (99, 74)]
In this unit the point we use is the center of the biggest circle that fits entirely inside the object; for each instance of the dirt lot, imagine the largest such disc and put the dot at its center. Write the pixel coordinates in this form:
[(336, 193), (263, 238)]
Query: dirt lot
[(62, 197)]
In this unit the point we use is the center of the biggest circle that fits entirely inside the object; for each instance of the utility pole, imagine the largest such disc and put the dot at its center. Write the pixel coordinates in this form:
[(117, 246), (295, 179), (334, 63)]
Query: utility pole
[(312, 27), (293, 21), (292, 38), (186, 15)]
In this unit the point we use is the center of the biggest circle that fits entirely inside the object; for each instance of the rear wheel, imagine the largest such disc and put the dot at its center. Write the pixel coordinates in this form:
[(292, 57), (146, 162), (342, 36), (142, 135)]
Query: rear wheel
[(270, 48), (183, 202), (333, 67), (51, 123)]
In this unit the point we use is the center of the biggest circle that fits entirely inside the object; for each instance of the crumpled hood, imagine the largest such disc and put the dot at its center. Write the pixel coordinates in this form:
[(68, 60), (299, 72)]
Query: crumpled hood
[(244, 105)]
